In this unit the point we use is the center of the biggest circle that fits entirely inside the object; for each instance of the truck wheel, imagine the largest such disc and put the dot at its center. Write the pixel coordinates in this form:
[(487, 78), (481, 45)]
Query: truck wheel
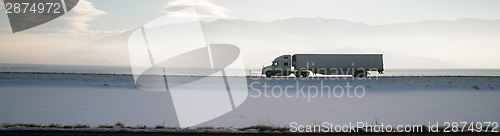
[(296, 74), (269, 74), (305, 74)]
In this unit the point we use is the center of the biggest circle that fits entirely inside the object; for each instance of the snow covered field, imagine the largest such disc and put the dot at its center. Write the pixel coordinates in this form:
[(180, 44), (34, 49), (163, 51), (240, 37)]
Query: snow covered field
[(106, 99)]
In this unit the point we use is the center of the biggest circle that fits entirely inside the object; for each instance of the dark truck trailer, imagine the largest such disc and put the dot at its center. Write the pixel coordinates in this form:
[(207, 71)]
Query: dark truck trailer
[(356, 65)]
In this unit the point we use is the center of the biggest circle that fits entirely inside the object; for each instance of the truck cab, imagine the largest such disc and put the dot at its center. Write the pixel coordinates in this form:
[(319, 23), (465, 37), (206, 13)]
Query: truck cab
[(280, 66)]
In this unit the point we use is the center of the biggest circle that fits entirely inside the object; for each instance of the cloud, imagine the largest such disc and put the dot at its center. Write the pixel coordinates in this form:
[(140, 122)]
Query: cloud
[(74, 22), (205, 8), (83, 13), (2, 6), (43, 43)]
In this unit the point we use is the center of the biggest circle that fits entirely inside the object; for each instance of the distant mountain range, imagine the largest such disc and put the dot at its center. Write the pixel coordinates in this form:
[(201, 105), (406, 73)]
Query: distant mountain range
[(424, 44)]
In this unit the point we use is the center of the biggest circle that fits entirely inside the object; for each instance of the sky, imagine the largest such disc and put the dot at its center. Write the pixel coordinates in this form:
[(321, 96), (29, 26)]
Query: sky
[(92, 20), (373, 12)]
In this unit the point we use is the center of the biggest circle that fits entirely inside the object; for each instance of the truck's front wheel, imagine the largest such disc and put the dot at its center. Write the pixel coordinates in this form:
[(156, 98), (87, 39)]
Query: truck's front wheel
[(305, 74), (269, 74)]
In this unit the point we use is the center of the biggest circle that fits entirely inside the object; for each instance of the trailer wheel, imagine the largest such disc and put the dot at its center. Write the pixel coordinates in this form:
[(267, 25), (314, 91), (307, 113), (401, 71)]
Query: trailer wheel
[(269, 74), (360, 74)]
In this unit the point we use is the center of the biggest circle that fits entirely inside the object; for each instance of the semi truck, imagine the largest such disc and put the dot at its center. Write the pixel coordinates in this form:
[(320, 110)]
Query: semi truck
[(304, 65)]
